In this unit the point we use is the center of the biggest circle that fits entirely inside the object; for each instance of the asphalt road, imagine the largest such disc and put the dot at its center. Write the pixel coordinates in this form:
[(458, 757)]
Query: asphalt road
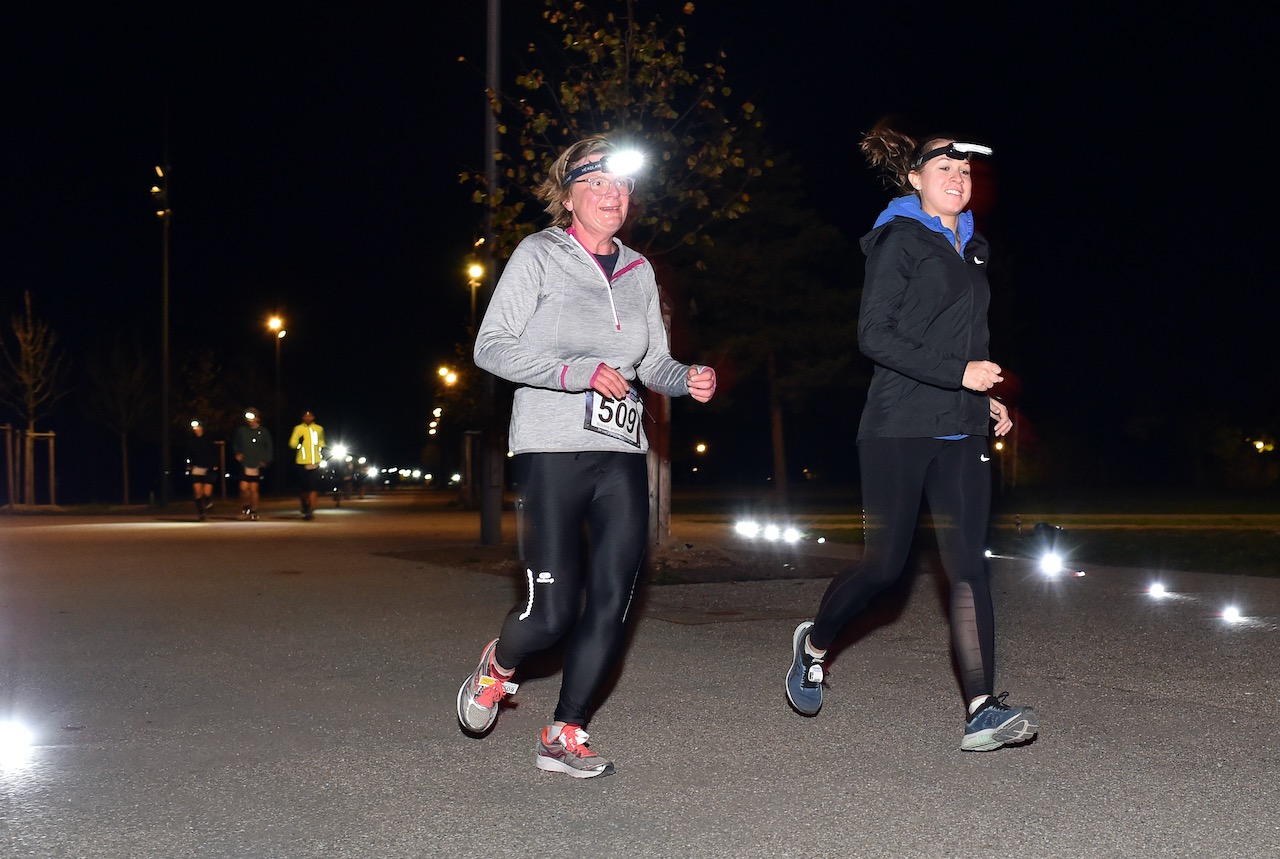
[(286, 689)]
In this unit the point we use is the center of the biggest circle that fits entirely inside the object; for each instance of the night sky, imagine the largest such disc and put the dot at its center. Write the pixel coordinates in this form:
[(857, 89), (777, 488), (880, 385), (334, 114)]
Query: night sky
[(314, 156)]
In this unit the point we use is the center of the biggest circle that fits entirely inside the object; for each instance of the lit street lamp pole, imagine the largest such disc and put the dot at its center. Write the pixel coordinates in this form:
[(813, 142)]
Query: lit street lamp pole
[(475, 280), (160, 193), (276, 325), (475, 272), (491, 454)]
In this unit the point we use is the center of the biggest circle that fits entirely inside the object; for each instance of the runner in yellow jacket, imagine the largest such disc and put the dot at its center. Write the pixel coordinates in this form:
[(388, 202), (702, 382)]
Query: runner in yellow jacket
[(307, 442)]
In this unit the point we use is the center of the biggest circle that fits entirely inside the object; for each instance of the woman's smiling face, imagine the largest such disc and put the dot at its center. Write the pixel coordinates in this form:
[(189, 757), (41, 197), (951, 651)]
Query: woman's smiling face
[(600, 216), (943, 183)]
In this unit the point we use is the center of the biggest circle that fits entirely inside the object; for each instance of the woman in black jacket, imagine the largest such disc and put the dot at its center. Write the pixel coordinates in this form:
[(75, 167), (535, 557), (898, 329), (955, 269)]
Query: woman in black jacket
[(924, 429)]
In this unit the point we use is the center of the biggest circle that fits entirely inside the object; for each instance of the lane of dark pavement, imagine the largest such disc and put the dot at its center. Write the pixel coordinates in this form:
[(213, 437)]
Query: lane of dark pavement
[(285, 689)]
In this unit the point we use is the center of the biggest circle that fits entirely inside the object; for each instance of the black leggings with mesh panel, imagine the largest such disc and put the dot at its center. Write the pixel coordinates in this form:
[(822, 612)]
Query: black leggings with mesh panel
[(955, 477), (561, 495)]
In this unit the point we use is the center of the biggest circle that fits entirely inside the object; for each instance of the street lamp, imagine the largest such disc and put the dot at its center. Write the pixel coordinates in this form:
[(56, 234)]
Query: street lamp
[(276, 325), (701, 450), (160, 194), (475, 279), (491, 460), (448, 378), (1008, 451)]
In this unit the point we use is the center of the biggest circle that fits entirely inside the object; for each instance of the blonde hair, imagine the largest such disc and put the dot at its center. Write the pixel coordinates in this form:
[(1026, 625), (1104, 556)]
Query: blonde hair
[(553, 191)]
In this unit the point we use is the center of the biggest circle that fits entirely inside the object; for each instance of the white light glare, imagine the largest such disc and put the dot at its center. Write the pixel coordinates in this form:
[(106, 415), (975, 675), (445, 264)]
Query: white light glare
[(1157, 590), (626, 163), (1231, 614), (1051, 564), (751, 530), (15, 743)]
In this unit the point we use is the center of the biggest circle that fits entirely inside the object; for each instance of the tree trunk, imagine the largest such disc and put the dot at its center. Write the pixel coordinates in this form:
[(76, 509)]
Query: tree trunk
[(781, 487), (659, 464), (124, 467), (659, 458), (29, 468)]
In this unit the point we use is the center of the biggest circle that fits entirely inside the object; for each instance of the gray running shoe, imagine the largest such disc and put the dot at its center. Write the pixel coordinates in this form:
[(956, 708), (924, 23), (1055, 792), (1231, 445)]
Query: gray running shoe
[(997, 724), (567, 753), (480, 693), (805, 677)]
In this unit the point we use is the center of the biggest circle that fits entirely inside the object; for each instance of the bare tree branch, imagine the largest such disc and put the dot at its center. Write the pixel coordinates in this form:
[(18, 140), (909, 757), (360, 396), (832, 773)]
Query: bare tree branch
[(34, 369)]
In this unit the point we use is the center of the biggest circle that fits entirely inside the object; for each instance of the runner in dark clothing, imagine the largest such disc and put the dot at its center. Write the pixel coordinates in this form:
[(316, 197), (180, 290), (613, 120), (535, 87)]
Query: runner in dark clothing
[(923, 321)]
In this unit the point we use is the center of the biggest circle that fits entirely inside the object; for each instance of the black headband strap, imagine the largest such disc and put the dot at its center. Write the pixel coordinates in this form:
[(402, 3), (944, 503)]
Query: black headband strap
[(582, 170), (958, 151)]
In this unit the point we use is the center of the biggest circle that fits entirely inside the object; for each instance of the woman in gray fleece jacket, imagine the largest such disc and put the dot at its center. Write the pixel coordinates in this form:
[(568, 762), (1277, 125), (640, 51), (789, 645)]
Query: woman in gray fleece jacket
[(575, 322)]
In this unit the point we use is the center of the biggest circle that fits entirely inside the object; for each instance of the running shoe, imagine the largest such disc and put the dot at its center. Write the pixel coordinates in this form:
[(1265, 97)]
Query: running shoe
[(997, 724), (566, 752), (805, 677), (480, 693)]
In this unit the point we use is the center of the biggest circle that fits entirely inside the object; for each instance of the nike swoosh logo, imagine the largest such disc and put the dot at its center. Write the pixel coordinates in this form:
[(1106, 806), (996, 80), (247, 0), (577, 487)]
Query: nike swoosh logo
[(986, 458)]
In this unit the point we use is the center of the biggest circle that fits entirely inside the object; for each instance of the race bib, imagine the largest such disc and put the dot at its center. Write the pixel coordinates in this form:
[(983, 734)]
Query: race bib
[(618, 419), (199, 470), (251, 471)]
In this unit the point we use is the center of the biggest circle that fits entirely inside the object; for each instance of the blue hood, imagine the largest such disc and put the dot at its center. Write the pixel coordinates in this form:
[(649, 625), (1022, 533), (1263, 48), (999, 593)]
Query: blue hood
[(909, 207)]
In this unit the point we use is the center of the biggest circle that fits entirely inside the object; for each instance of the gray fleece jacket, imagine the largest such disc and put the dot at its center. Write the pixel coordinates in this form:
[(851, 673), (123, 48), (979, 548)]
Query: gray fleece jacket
[(554, 318)]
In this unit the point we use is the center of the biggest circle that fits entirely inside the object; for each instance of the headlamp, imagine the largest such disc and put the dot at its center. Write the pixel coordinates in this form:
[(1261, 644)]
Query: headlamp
[(956, 150), (619, 164)]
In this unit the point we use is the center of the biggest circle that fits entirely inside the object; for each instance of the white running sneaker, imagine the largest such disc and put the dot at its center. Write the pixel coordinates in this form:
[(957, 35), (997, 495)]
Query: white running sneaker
[(480, 693), (565, 751)]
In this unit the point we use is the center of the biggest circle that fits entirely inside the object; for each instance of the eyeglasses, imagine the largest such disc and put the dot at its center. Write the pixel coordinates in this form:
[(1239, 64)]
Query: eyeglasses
[(598, 185)]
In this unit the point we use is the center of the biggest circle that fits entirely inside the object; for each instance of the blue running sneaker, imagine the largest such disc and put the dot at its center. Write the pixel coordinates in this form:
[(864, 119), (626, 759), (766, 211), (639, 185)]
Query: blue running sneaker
[(804, 679), (997, 724)]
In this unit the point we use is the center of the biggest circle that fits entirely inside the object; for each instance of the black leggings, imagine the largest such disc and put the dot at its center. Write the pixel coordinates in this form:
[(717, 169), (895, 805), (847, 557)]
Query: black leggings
[(955, 478), (559, 493)]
